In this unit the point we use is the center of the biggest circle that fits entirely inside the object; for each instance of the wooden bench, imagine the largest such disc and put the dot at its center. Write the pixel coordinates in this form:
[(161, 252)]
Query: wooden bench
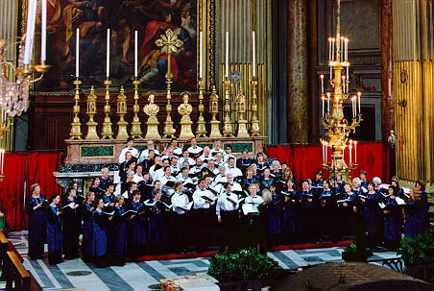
[(4, 244), (17, 277)]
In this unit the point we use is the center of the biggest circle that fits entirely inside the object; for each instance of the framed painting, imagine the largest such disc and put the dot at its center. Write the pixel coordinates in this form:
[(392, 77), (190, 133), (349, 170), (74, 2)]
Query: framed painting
[(151, 18)]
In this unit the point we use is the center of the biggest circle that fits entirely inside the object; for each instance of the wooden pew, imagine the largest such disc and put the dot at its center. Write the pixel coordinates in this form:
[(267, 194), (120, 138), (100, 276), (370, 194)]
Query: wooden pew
[(4, 244), (17, 277)]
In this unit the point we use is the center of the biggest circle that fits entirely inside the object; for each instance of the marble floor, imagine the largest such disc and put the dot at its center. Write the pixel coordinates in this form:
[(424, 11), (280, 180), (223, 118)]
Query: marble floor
[(78, 275)]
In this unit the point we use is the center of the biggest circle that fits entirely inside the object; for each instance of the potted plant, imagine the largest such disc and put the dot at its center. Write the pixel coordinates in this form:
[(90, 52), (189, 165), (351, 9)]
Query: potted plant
[(243, 269), (418, 256), (354, 253)]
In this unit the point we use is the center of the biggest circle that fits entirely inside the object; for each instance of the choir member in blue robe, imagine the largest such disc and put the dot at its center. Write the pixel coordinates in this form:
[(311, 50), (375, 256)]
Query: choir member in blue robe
[(363, 179), (100, 234), (54, 232), (309, 212), (36, 209), (88, 248), (372, 215), (156, 214), (118, 234), (96, 188), (267, 180), (416, 214), (317, 184), (71, 224), (273, 214), (244, 162), (392, 220), (105, 179), (137, 226), (346, 202), (290, 226), (326, 207), (109, 198), (249, 178)]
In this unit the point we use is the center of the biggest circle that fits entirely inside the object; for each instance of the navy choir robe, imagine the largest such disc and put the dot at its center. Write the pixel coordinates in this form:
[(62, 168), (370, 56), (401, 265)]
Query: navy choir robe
[(392, 223), (54, 235), (274, 218), (156, 227), (416, 216), (118, 235), (37, 227), (290, 229), (99, 234), (309, 215), (71, 228), (137, 230), (88, 247), (373, 218)]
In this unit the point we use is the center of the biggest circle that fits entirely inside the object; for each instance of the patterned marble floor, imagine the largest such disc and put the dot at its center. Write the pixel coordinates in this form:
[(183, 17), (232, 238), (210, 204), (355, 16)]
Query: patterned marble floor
[(141, 276)]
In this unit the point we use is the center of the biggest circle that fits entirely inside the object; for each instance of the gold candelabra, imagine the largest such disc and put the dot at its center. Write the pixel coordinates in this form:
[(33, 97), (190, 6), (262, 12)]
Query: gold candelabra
[(107, 131), (121, 111), (337, 128), (201, 129), (254, 130), (76, 124), (227, 123), (91, 111), (136, 130), (214, 109), (169, 44)]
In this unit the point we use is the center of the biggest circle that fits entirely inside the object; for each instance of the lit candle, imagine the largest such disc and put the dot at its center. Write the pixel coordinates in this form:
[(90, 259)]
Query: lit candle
[(330, 49), (333, 49), (200, 55), (43, 31), (227, 55), (346, 49), (348, 71), (322, 107), (352, 105), (328, 102), (331, 71), (254, 54), (342, 48), (107, 70), (322, 83), (30, 31), (77, 53), (359, 94), (136, 53), (355, 152), (351, 151), (2, 160)]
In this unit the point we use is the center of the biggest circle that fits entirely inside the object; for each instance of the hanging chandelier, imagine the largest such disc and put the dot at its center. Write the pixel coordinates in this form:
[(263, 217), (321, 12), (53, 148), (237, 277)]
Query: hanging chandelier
[(337, 128)]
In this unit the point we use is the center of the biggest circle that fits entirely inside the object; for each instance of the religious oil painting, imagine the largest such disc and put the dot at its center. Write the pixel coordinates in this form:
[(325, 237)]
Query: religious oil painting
[(151, 18)]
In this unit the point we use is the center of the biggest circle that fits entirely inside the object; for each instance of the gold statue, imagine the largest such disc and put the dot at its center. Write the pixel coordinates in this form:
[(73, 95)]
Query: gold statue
[(151, 109), (91, 111), (185, 110), (214, 110), (121, 111)]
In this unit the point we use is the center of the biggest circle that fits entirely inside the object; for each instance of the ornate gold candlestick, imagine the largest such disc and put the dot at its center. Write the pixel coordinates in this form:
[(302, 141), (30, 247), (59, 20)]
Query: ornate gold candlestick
[(169, 43), (91, 111), (121, 111), (151, 109), (214, 110), (107, 131), (76, 125), (242, 122), (254, 130), (185, 110), (227, 123), (136, 130), (201, 129)]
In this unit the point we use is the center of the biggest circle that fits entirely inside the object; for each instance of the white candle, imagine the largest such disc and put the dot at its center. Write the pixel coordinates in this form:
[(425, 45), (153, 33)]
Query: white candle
[(331, 71), (353, 100), (346, 49), (77, 53), (322, 83), (227, 55), (2, 157), (254, 54), (43, 31), (342, 48), (107, 70), (351, 151), (328, 102), (136, 53), (330, 49), (30, 31), (359, 94), (200, 55), (322, 107), (355, 152), (333, 49)]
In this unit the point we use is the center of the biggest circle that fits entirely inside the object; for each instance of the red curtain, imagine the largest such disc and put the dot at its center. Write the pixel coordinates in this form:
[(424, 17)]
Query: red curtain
[(21, 171), (305, 160)]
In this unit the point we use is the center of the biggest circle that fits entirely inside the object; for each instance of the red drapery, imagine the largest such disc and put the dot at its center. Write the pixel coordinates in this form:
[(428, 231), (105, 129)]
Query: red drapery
[(305, 160), (21, 171)]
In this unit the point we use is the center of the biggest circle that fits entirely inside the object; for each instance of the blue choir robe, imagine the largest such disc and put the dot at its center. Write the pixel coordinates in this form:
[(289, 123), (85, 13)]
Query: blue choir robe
[(309, 214), (416, 216), (137, 229), (290, 225), (108, 199), (54, 235), (246, 182), (99, 235), (71, 228), (104, 182), (266, 183), (37, 221), (156, 227), (325, 211), (88, 248), (274, 218), (392, 222), (373, 218), (118, 234)]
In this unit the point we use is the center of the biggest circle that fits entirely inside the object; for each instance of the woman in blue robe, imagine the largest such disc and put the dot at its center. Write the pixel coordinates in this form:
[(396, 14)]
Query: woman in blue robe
[(289, 214), (99, 236), (36, 209), (156, 225), (137, 226), (308, 208), (326, 208), (54, 232), (372, 216), (416, 214), (71, 224), (392, 220), (88, 248), (118, 234), (273, 215)]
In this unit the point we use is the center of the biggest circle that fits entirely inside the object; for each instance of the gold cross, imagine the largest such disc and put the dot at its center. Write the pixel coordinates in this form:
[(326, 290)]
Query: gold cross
[(169, 43)]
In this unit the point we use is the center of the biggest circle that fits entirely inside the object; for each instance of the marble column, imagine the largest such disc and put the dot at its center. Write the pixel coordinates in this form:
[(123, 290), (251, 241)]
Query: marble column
[(412, 90), (298, 101)]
